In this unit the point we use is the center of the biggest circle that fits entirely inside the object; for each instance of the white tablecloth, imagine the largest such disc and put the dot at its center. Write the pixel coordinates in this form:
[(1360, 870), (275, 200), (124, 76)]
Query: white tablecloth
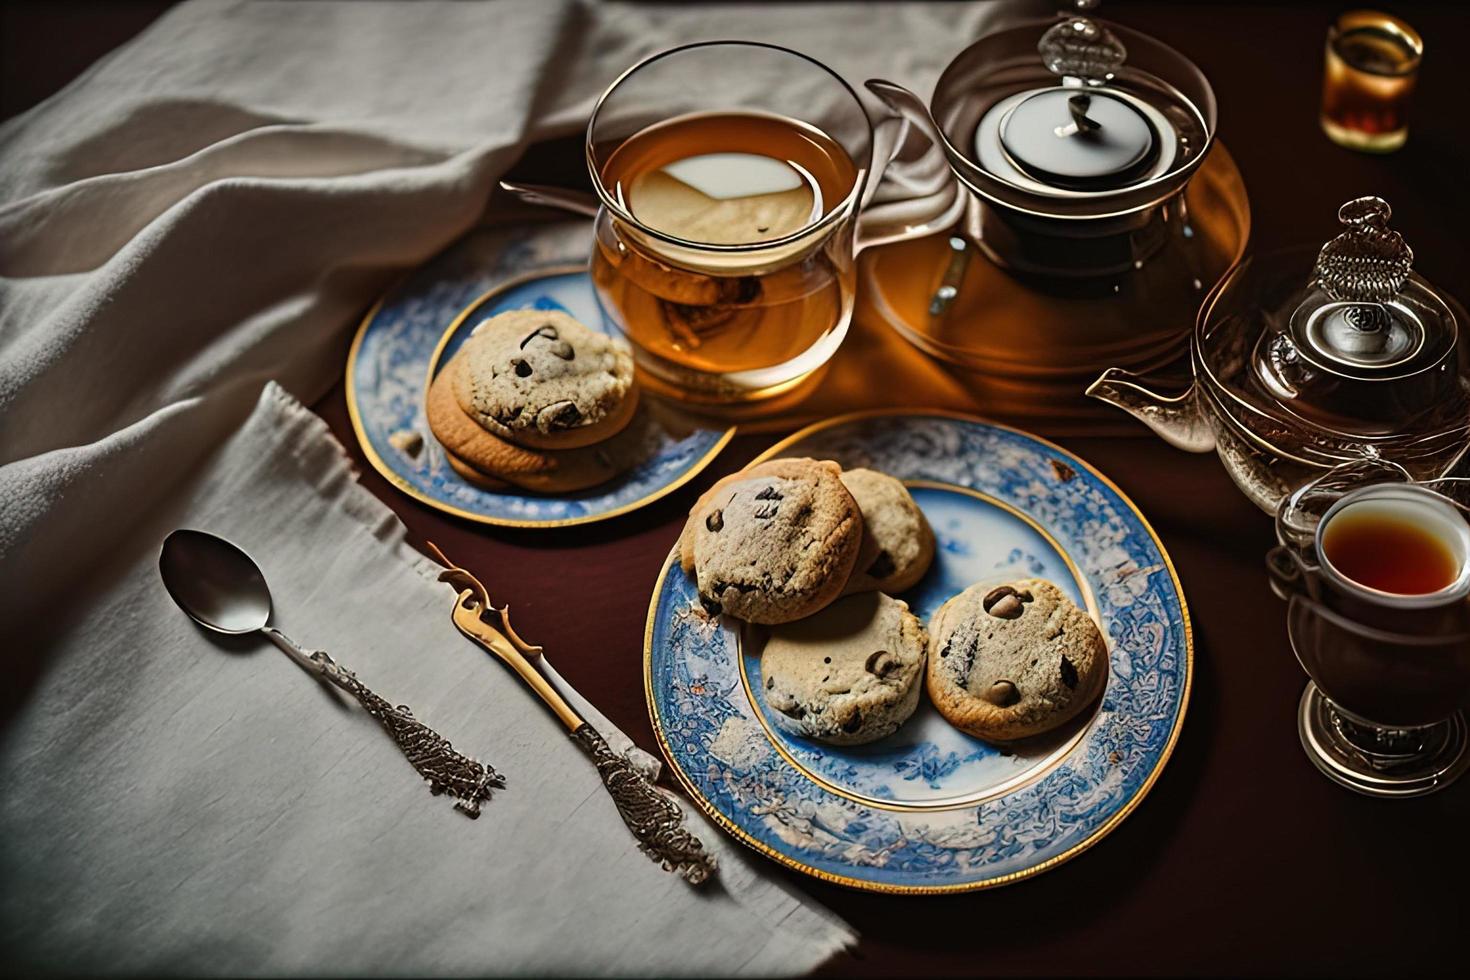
[(204, 211)]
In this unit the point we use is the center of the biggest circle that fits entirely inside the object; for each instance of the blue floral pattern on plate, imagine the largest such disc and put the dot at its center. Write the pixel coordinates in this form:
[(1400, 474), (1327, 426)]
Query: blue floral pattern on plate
[(929, 808), (389, 366)]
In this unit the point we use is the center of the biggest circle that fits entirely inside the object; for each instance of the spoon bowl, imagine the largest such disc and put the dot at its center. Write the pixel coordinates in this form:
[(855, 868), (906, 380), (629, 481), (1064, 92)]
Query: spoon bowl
[(217, 584)]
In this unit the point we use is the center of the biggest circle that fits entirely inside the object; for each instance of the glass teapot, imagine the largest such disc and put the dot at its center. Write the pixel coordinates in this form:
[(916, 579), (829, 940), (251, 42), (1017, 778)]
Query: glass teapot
[(1098, 210), (1069, 134), (1301, 365)]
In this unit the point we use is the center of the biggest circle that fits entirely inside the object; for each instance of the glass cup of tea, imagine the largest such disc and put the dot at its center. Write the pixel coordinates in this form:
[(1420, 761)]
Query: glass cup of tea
[(737, 182), (1371, 67), (1376, 573)]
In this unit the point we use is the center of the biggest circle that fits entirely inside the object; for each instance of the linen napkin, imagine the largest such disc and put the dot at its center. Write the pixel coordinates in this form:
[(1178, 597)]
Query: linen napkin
[(176, 803)]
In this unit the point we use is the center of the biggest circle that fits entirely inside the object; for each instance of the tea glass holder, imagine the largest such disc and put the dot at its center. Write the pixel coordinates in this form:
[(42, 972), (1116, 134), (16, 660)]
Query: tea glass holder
[(1389, 673)]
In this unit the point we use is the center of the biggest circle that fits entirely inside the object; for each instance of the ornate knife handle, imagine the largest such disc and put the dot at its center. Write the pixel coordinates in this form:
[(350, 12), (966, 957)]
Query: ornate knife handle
[(447, 771), (653, 818)]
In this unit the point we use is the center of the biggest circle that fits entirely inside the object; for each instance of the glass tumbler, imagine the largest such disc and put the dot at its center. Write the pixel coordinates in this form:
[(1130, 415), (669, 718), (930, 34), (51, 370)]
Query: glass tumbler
[(1371, 67)]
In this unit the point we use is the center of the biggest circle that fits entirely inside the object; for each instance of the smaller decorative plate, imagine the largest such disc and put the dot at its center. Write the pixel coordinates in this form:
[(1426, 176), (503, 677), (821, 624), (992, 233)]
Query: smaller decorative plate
[(930, 809), (420, 324)]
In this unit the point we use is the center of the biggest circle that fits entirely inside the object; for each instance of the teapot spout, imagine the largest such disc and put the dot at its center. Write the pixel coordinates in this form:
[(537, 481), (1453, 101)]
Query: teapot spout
[(1177, 419)]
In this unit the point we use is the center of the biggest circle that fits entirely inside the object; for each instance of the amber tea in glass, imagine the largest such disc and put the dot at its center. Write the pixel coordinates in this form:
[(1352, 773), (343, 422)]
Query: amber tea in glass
[(726, 179), (736, 183), (1389, 553), (1372, 64)]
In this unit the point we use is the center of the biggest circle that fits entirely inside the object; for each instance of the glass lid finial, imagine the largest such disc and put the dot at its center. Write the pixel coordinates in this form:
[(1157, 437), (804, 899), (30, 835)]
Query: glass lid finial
[(1078, 47), (1369, 262)]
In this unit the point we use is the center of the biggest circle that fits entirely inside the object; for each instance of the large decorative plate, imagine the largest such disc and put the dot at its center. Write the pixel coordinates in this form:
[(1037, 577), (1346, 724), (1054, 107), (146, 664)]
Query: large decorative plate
[(930, 809), (419, 325)]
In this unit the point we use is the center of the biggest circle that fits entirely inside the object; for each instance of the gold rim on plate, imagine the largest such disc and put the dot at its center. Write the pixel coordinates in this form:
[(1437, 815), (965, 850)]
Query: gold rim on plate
[(392, 476), (1108, 825)]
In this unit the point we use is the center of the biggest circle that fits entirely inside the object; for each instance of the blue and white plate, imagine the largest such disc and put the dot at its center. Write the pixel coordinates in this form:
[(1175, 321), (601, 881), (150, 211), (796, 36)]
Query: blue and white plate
[(930, 809), (418, 326)]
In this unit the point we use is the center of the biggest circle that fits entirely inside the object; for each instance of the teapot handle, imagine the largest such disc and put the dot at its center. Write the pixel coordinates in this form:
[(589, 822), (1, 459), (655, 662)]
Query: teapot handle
[(906, 199)]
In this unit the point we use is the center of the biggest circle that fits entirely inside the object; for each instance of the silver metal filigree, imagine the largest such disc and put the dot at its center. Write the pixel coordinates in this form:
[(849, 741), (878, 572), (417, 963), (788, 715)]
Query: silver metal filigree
[(1369, 262), (653, 818), (1078, 47), (446, 770)]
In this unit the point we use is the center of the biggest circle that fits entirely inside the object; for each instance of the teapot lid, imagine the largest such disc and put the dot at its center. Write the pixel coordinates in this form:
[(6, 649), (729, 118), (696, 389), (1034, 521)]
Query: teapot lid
[(1363, 316), (1079, 141), (1364, 346), (1086, 132)]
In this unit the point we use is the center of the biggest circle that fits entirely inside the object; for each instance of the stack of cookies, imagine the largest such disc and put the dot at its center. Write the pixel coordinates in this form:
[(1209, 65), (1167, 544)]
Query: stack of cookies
[(813, 554), (780, 544), (535, 400)]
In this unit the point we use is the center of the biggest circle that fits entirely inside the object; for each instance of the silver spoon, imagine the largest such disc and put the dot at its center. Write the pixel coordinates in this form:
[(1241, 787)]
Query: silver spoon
[(222, 589)]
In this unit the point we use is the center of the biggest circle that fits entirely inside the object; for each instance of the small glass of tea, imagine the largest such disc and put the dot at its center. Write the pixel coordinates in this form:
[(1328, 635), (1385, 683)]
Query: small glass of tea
[(1378, 614), (1372, 64)]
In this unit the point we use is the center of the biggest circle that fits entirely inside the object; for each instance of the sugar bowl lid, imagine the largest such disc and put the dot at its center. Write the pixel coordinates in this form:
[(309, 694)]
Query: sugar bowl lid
[(1367, 343)]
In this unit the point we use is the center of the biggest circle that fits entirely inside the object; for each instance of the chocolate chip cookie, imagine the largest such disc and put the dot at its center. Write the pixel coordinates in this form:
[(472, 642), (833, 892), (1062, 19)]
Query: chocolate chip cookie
[(1010, 661), (493, 463), (773, 543), (539, 378), (898, 543), (847, 675)]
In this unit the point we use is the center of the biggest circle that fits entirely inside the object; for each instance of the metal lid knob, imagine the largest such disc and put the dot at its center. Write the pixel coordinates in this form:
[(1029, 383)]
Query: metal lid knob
[(1364, 316)]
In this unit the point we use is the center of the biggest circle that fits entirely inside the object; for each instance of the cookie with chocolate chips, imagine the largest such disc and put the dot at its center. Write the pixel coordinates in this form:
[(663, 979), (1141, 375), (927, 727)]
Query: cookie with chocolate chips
[(774, 542), (539, 378), (898, 543), (1010, 661), (493, 463), (847, 675)]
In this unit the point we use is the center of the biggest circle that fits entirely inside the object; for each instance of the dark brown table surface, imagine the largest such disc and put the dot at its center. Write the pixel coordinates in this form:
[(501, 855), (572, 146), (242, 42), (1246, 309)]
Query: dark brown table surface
[(1243, 859)]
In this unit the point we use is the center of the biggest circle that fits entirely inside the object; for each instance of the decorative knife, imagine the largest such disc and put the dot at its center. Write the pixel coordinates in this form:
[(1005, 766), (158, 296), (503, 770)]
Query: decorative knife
[(653, 817)]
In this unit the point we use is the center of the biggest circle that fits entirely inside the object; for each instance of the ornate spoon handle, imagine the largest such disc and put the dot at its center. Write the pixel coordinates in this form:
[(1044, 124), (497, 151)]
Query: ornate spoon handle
[(653, 818), (446, 770)]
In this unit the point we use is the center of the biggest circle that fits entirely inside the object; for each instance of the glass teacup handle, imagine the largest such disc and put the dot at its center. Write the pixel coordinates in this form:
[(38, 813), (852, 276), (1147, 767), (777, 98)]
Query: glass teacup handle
[(909, 198)]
